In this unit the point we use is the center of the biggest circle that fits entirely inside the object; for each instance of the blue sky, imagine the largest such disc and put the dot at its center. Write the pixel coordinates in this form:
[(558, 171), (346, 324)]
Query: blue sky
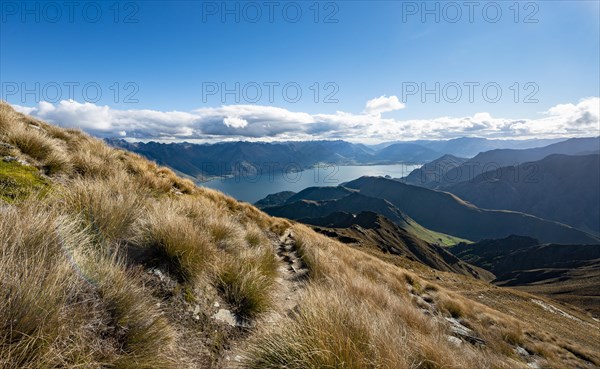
[(353, 51)]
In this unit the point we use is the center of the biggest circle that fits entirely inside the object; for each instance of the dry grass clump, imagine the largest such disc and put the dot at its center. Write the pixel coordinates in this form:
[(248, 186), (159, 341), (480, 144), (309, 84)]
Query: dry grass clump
[(31, 141), (174, 242), (311, 249), (144, 337), (225, 232), (155, 177), (255, 237), (245, 265), (581, 352), (196, 238), (93, 158), (334, 328), (69, 135), (331, 332), (246, 285), (57, 162), (109, 207), (36, 285), (245, 277), (8, 117), (452, 306)]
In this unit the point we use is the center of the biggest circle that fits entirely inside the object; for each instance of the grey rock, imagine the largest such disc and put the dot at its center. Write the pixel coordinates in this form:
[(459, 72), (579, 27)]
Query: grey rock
[(226, 316), (454, 340), (521, 351), (463, 332)]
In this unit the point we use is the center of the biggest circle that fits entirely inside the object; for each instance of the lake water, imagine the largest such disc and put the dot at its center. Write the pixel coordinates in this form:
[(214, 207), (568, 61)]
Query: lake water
[(254, 188)]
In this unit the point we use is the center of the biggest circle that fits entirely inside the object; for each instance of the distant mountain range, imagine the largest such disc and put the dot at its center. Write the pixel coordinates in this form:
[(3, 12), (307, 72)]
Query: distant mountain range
[(569, 273), (232, 158), (470, 146), (434, 211), (409, 152), (558, 187), (441, 176), (558, 182), (430, 173)]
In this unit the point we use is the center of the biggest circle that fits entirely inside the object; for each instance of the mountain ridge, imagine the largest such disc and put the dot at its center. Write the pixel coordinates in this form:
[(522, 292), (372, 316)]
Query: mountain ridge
[(464, 219), (371, 230), (558, 187), (497, 158)]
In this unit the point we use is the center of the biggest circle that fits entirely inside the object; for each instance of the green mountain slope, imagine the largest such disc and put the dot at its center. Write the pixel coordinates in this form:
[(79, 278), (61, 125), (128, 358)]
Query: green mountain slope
[(446, 213), (354, 203)]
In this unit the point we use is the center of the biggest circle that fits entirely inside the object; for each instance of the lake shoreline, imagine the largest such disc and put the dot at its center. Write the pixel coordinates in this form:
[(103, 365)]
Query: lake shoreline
[(251, 188), (316, 166)]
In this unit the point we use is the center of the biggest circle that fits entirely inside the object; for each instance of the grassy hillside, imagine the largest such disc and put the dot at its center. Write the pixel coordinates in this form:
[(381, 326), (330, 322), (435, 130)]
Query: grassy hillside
[(568, 273), (110, 261), (368, 230)]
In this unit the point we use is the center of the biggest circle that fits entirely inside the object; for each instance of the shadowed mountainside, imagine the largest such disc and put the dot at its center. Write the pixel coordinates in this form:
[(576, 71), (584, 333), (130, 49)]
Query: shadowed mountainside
[(559, 187), (493, 159), (437, 211), (346, 201), (446, 213), (429, 172)]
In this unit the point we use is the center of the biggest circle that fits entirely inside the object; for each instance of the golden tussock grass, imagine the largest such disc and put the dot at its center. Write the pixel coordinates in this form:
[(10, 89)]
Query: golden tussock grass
[(245, 285), (62, 310), (144, 337), (173, 240), (245, 277), (109, 207)]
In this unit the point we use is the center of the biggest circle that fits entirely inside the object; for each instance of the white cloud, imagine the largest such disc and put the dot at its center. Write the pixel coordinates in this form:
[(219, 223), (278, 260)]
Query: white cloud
[(383, 104), (587, 111), (255, 122), (235, 122)]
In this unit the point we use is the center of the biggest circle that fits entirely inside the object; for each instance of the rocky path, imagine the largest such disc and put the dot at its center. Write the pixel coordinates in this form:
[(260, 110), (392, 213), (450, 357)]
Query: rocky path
[(292, 278), (287, 292)]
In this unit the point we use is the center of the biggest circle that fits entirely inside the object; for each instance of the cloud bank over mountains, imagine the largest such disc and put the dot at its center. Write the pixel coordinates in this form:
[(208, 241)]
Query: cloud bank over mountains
[(257, 122)]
